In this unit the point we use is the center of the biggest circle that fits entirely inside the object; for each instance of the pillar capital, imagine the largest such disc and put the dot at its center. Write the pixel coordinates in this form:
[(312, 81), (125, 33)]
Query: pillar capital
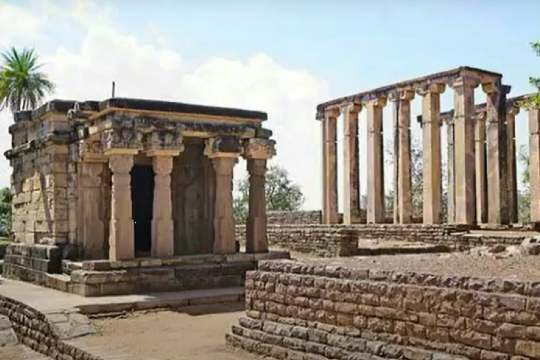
[(431, 88), (162, 165), (463, 82), (351, 108), (256, 148), (121, 163), (121, 140), (163, 143), (223, 147), (331, 112), (377, 102), (513, 109)]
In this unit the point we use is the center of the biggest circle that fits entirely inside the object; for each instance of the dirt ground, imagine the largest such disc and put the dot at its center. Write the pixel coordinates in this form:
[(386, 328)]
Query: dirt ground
[(192, 333), (519, 267)]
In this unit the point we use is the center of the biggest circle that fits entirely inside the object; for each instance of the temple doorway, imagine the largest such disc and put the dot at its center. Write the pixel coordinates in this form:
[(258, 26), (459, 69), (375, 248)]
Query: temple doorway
[(142, 195)]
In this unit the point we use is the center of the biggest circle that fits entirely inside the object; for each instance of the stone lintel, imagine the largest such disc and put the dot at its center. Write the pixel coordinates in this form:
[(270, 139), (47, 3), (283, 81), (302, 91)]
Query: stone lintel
[(164, 152)]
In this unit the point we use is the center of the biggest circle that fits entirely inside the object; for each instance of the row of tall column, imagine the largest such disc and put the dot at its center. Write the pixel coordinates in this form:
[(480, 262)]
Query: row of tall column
[(477, 153), (121, 232)]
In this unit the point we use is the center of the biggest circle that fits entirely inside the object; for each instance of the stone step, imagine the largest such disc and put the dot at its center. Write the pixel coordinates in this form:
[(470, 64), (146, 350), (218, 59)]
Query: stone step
[(177, 299), (20, 352)]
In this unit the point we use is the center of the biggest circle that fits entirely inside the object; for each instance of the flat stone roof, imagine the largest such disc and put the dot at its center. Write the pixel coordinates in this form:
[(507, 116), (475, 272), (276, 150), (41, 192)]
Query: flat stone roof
[(63, 106)]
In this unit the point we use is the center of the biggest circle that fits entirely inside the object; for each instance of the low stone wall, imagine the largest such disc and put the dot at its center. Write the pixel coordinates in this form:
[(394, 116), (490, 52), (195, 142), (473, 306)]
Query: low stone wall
[(34, 258), (320, 240), (341, 240), (302, 311), (35, 331), (294, 217)]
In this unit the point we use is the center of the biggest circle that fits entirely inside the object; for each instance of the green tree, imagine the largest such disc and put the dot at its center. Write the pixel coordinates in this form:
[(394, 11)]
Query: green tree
[(22, 85), (5, 212), (534, 101), (281, 194)]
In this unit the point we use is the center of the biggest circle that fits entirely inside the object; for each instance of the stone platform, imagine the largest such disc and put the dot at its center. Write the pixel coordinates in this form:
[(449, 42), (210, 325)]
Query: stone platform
[(41, 265)]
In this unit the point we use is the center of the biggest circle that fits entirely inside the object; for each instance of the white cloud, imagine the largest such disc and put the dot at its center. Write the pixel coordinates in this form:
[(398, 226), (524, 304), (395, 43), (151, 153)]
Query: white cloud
[(17, 24), (152, 70)]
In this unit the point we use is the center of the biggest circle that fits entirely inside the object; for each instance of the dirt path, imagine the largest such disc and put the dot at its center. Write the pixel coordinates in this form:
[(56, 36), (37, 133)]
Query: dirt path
[(193, 333)]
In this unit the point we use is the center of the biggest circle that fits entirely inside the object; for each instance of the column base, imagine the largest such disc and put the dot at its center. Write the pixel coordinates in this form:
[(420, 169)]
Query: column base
[(162, 238), (121, 240), (224, 236), (256, 241)]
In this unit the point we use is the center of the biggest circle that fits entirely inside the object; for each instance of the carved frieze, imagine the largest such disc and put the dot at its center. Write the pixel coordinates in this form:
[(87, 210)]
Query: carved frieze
[(163, 140), (121, 138)]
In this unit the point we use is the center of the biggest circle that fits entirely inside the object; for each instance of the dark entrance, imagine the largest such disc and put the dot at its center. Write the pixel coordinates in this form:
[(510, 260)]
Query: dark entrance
[(142, 197)]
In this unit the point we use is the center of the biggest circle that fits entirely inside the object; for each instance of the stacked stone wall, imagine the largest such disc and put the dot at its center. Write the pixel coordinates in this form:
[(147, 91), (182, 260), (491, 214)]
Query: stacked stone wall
[(303, 311), (341, 240), (35, 331), (294, 217), (32, 262)]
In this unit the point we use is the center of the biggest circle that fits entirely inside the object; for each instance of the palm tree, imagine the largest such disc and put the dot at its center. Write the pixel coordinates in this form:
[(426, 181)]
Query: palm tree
[(22, 85)]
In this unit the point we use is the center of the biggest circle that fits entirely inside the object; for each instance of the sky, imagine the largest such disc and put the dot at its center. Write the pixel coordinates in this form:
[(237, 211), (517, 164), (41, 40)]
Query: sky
[(281, 57)]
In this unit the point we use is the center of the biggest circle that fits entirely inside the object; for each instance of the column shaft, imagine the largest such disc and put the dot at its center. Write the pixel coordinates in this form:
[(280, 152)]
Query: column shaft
[(256, 241), (395, 158), (91, 215), (480, 164), (404, 166), (330, 208), (431, 145), (351, 194), (496, 154), (450, 194), (121, 237), (375, 191), (534, 164), (162, 221), (511, 163), (224, 232), (464, 174)]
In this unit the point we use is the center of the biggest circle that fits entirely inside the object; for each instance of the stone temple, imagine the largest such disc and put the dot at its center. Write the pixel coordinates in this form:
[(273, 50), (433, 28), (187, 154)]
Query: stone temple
[(124, 183)]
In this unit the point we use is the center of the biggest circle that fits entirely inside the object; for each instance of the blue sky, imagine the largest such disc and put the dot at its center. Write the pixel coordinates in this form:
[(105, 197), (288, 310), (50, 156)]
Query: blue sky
[(282, 57)]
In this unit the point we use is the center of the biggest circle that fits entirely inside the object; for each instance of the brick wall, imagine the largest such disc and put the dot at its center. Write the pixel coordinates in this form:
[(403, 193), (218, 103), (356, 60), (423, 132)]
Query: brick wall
[(296, 310)]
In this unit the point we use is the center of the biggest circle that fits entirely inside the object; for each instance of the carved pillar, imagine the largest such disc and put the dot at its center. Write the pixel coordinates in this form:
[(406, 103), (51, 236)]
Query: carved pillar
[(480, 165), (351, 193), (404, 188), (496, 152), (224, 152), (162, 220), (464, 171), (431, 146), (330, 205), (257, 151), (511, 162), (91, 223), (375, 191), (534, 164), (451, 199), (121, 238)]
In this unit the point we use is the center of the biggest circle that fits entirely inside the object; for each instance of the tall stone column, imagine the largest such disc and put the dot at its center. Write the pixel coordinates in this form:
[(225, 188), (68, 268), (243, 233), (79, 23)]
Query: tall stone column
[(480, 164), (431, 146), (257, 151), (162, 220), (534, 164), (404, 189), (511, 162), (496, 152), (375, 191), (330, 201), (121, 237), (464, 171), (351, 193), (224, 231), (451, 198), (91, 222), (394, 98)]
